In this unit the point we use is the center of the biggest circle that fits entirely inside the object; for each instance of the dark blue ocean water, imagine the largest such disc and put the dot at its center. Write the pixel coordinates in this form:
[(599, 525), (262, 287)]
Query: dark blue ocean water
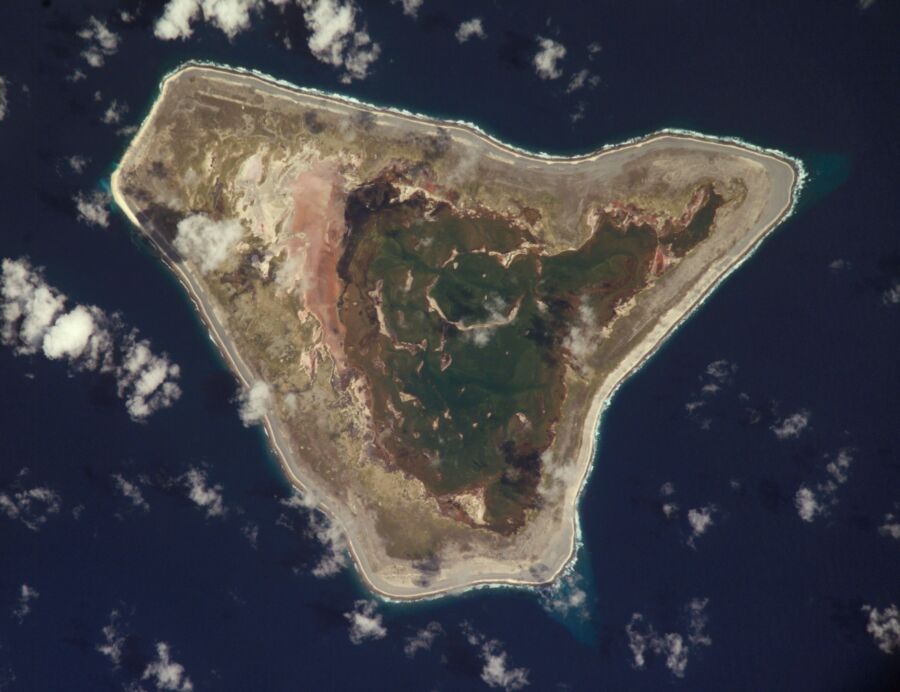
[(816, 79)]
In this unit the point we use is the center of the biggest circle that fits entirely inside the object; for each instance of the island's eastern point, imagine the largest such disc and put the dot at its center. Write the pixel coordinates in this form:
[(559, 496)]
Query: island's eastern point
[(431, 321)]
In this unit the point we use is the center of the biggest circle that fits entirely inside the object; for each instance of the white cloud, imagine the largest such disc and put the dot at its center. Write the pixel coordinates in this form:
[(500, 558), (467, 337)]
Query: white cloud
[(700, 520), (891, 296), (423, 639), (674, 647), (166, 673), (31, 506), (79, 335), (77, 163), (4, 101), (255, 403), (204, 496), (471, 28), (496, 671), (791, 426), (808, 506), (565, 596), (23, 606), (365, 622), (101, 42), (131, 491), (593, 48), (890, 527), (838, 264), (113, 113), (113, 639), (410, 7), (335, 38), (579, 79), (145, 380), (229, 16), (250, 531), (812, 502), (721, 370), (884, 626), (205, 242), (546, 60), (93, 209), (334, 559)]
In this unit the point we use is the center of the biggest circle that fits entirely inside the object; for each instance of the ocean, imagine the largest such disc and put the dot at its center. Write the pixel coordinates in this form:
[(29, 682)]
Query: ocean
[(759, 598)]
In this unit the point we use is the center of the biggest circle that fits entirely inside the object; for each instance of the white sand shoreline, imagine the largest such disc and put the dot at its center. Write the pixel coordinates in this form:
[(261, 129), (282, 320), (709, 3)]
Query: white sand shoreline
[(639, 355)]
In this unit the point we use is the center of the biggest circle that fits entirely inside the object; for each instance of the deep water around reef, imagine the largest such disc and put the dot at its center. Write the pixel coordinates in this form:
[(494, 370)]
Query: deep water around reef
[(806, 322)]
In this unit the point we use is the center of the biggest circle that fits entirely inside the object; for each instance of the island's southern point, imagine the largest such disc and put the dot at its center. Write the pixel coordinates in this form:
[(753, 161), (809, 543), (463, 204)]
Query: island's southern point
[(437, 319)]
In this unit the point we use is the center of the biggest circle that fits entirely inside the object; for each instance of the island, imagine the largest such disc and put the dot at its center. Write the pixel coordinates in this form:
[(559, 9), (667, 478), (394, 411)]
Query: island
[(430, 322)]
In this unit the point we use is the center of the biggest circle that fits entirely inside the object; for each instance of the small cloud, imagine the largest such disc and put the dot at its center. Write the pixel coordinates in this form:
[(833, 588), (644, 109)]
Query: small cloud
[(674, 647), (255, 403), (76, 76), (93, 209), (166, 673), (790, 428), (565, 596), (4, 101), (884, 626), (890, 527), (578, 114), (838, 264), (700, 520), (324, 530), (496, 671), (471, 28), (812, 502), (423, 640), (250, 531), (130, 491), (113, 639), (23, 606), (114, 112), (231, 17), (410, 7), (546, 60), (205, 242), (365, 622), (336, 40), (593, 48), (78, 163), (891, 296), (578, 80), (721, 371), (101, 42), (204, 496), (145, 380), (30, 506)]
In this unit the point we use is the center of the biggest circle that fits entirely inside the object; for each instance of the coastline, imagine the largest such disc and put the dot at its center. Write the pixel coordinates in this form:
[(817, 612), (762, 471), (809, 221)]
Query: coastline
[(638, 355)]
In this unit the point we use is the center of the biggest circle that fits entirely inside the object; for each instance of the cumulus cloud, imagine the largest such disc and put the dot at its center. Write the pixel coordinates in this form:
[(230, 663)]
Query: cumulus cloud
[(546, 60), (77, 163), (471, 28), (113, 639), (165, 673), (101, 42), (255, 402), (891, 296), (496, 671), (814, 501), (410, 7), (23, 605), (580, 79), (30, 506), (145, 380), (890, 527), (207, 497), (365, 622), (113, 113), (229, 16), (323, 529), (423, 640), (205, 242), (790, 427), (884, 626), (250, 531), (336, 40), (130, 491), (699, 519), (565, 596), (93, 209), (4, 101), (674, 647)]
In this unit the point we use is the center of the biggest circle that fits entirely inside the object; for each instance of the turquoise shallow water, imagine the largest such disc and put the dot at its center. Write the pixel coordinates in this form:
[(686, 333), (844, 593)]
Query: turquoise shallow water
[(805, 322)]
